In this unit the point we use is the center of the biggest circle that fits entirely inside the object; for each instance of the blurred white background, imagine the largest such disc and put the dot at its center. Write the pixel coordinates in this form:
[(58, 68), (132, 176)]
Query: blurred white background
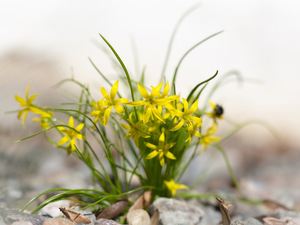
[(40, 41)]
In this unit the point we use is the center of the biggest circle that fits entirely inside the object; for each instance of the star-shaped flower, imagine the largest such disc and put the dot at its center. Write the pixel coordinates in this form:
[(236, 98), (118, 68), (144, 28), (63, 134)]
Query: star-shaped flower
[(186, 115), (109, 101), (173, 187), (28, 106), (207, 139), (135, 130), (71, 134), (152, 101), (161, 150)]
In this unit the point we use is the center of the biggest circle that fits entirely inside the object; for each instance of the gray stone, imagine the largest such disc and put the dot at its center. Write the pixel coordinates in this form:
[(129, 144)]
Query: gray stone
[(252, 221), (280, 213), (174, 212), (291, 221), (211, 216), (58, 221), (237, 222), (105, 222), (21, 222), (11, 216)]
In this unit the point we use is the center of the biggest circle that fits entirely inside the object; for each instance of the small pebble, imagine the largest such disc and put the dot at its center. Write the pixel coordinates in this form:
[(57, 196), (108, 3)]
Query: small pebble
[(105, 222), (58, 221), (21, 222), (138, 217), (252, 221)]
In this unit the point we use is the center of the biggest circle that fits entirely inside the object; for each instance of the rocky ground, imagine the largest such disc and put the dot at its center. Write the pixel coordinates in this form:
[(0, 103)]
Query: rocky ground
[(267, 172)]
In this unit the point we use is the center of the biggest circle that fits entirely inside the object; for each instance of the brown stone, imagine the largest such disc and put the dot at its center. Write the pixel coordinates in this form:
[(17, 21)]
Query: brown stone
[(58, 221)]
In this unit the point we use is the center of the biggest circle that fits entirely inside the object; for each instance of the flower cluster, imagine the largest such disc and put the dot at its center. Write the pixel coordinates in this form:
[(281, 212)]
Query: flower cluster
[(156, 124)]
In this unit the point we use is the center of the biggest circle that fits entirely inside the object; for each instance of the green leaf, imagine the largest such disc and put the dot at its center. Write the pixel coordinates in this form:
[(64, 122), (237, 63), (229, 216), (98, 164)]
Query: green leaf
[(180, 61), (198, 85)]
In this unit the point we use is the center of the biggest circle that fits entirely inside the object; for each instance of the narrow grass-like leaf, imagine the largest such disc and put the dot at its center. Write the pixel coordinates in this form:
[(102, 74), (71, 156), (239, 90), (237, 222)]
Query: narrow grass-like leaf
[(230, 170), (182, 58), (266, 125), (122, 64), (102, 75), (198, 85), (172, 38)]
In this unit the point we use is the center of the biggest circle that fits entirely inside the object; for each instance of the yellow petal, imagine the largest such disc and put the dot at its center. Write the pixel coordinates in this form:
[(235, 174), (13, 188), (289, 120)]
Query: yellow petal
[(71, 122), (185, 105), (35, 110), (27, 91), (121, 101), (106, 115), (212, 104), (32, 98), (114, 90), (63, 140), (143, 91), (181, 186), (24, 117), (73, 144), (119, 109), (170, 155), (136, 141), (161, 140), (79, 127), (125, 126), (36, 119), (146, 115), (178, 126), (149, 145), (152, 155), (170, 145), (176, 112), (21, 100), (155, 91), (196, 119), (21, 112), (157, 114), (79, 136), (193, 108), (102, 103), (136, 103), (161, 159), (94, 105), (166, 90), (105, 95), (164, 101)]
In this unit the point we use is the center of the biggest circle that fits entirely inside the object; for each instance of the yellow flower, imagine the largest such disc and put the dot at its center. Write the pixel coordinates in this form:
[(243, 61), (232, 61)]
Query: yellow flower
[(135, 131), (185, 116), (45, 119), (152, 100), (71, 135), (109, 101), (207, 139), (27, 103), (217, 112), (161, 150), (173, 187), (98, 112), (192, 130)]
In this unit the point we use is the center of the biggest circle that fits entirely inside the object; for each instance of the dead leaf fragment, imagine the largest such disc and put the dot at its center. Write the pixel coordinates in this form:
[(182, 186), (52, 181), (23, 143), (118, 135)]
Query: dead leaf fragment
[(113, 210), (142, 202), (272, 205), (154, 218), (226, 220), (273, 221), (74, 216)]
